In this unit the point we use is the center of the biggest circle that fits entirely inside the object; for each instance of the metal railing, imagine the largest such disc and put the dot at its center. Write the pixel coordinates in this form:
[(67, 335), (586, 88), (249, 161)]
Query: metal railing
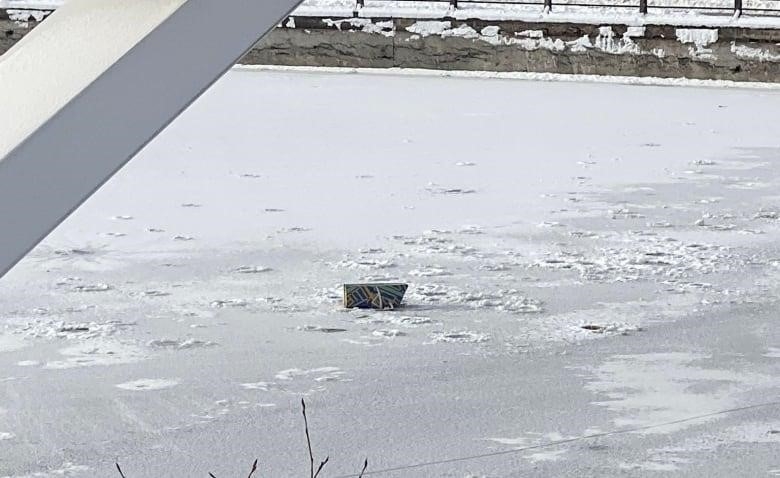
[(734, 8)]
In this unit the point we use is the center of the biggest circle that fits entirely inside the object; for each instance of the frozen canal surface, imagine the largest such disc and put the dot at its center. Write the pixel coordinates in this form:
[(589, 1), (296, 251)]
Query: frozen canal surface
[(594, 276)]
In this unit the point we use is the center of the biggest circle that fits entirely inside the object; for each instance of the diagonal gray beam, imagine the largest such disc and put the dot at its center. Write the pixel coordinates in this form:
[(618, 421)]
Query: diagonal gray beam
[(93, 84)]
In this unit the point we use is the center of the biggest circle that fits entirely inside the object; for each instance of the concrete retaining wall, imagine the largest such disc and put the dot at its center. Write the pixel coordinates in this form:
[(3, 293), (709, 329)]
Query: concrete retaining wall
[(727, 53)]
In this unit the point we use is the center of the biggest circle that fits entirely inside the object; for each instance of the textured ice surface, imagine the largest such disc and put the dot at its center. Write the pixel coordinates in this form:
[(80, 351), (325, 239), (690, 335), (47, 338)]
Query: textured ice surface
[(568, 294)]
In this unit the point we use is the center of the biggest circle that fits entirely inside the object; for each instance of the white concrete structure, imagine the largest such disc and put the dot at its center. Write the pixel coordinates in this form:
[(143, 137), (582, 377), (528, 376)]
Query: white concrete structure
[(86, 90)]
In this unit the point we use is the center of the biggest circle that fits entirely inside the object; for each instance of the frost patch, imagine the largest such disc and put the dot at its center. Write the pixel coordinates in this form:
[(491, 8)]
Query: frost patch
[(772, 352), (654, 256), (406, 321), (180, 344), (262, 386), (317, 328), (223, 303), (92, 288), (652, 389), (429, 272), (546, 456), (649, 466), (388, 333), (434, 188), (252, 269), (437, 242), (362, 263), (506, 300), (67, 469), (91, 354), (459, 337), (536, 439), (293, 373), (10, 343), (148, 384), (59, 329)]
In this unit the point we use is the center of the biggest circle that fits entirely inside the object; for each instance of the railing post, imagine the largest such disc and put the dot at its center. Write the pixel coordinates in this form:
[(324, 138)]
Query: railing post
[(643, 6), (547, 6), (361, 3), (454, 3), (737, 8)]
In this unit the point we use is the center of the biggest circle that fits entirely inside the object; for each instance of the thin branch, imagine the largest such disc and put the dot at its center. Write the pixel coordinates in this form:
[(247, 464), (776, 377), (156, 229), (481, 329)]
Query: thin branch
[(365, 467), (321, 465), (120, 471), (254, 469), (308, 439)]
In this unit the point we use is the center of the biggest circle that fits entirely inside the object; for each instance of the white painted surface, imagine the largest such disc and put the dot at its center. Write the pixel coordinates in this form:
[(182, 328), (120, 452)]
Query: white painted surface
[(92, 85), (51, 65)]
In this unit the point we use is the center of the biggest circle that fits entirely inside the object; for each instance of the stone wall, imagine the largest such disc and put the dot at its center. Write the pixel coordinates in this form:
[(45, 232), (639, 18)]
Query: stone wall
[(11, 32), (667, 51)]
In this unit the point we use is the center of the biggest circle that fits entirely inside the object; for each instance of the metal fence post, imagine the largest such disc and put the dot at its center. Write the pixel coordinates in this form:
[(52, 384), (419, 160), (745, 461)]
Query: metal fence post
[(737, 8), (454, 3), (361, 3), (547, 5), (643, 6)]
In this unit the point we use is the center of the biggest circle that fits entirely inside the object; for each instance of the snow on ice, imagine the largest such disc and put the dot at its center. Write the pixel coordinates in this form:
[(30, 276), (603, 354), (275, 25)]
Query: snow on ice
[(193, 354)]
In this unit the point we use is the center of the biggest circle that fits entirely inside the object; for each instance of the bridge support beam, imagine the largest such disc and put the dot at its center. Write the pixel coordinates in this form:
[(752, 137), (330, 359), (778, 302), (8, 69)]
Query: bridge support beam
[(92, 85)]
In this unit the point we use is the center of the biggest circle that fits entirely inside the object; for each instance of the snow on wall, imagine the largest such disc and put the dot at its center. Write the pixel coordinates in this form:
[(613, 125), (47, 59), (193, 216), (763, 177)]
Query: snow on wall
[(427, 28), (601, 11), (398, 42), (606, 41), (366, 25), (698, 36), (751, 53), (528, 40)]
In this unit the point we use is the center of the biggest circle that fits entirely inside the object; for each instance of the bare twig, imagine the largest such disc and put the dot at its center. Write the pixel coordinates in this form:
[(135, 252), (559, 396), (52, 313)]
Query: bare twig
[(254, 469), (321, 465), (312, 473), (308, 439)]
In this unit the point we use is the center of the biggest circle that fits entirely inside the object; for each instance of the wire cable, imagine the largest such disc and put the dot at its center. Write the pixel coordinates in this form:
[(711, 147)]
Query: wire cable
[(561, 442)]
